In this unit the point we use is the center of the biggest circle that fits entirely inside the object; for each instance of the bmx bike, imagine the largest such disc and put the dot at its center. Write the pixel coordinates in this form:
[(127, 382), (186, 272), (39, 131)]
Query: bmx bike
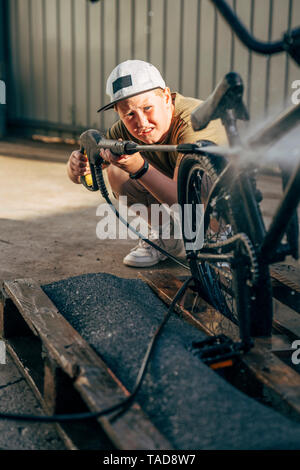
[(231, 269)]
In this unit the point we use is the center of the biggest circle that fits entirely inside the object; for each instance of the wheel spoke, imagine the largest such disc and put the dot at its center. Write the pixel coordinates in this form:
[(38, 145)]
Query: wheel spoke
[(217, 283)]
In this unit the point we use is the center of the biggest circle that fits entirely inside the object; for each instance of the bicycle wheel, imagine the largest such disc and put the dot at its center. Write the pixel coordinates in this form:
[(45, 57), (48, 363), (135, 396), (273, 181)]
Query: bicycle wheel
[(225, 288)]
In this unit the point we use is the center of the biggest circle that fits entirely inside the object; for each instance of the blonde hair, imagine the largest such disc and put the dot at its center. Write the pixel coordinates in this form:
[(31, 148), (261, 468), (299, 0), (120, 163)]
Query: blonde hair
[(157, 91)]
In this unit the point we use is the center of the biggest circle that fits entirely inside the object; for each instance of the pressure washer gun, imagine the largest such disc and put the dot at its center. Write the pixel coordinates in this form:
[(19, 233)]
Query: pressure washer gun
[(92, 141), (89, 146)]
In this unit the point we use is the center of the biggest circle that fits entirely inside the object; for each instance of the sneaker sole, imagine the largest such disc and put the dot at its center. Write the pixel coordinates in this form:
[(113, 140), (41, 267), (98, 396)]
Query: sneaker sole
[(132, 264)]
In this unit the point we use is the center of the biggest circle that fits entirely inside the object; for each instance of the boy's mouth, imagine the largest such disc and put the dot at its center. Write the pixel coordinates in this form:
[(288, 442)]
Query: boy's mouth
[(146, 131)]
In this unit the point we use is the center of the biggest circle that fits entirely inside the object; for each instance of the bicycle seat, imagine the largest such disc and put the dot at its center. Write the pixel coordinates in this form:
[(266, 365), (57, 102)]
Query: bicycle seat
[(228, 94)]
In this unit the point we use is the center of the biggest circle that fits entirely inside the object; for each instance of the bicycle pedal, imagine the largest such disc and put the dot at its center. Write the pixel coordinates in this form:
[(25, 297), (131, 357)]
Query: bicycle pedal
[(217, 351)]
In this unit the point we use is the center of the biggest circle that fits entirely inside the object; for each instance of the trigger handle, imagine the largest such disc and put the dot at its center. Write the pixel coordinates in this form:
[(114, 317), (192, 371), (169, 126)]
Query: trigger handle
[(89, 181)]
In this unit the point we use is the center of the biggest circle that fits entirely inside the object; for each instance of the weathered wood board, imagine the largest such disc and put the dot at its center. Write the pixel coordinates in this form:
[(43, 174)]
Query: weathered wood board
[(70, 366)]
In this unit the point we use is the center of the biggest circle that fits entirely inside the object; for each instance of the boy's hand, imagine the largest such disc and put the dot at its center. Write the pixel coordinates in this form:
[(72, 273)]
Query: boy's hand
[(78, 164), (129, 163)]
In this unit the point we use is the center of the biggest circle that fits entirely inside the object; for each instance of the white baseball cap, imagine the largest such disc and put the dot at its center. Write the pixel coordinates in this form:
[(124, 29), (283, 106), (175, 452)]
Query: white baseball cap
[(131, 78)]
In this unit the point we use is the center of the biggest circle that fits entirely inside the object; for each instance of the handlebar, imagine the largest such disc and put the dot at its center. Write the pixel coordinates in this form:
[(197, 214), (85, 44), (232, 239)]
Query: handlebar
[(290, 42)]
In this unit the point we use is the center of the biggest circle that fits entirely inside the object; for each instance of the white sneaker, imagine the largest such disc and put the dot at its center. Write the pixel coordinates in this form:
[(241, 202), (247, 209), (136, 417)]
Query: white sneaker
[(144, 255)]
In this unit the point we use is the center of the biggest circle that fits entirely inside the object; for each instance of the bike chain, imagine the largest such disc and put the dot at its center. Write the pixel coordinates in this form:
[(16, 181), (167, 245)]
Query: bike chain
[(241, 237)]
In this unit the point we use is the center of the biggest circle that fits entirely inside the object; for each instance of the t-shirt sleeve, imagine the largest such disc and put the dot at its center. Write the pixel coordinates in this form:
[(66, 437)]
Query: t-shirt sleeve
[(214, 132)]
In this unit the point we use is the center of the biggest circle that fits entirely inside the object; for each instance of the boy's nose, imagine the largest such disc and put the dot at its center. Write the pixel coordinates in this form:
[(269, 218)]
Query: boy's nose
[(141, 120)]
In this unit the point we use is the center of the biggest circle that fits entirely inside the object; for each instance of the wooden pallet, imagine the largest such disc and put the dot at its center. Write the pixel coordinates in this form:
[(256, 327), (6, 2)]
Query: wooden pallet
[(66, 375), (266, 372)]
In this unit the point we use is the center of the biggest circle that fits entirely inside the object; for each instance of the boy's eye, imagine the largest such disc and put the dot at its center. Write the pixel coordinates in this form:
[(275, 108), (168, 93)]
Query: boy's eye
[(146, 108)]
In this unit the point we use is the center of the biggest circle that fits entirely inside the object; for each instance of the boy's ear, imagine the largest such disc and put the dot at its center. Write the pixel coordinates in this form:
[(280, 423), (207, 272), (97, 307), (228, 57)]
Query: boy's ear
[(167, 95)]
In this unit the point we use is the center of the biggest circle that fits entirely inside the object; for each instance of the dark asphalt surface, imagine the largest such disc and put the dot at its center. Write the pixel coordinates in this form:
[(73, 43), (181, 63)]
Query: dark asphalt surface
[(193, 406)]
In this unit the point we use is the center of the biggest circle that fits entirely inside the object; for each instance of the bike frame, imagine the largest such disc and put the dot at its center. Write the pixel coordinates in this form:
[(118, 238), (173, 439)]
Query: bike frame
[(268, 243), (235, 179)]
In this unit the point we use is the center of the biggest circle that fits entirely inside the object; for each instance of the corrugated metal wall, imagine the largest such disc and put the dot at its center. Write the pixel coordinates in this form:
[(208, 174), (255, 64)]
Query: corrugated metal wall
[(61, 52)]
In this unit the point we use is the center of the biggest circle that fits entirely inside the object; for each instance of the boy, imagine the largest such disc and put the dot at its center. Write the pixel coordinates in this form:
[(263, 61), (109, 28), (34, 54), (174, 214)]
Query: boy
[(149, 113)]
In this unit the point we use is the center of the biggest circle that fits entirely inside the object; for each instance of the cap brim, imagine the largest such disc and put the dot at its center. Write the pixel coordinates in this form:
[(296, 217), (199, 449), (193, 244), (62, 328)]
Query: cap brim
[(111, 105), (107, 106)]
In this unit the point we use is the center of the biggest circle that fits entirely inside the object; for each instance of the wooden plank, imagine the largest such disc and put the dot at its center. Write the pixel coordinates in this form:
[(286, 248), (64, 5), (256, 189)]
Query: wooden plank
[(199, 313), (277, 378), (286, 295), (95, 382), (287, 274), (286, 285), (27, 358), (286, 320), (60, 396), (10, 322), (90, 386), (86, 435)]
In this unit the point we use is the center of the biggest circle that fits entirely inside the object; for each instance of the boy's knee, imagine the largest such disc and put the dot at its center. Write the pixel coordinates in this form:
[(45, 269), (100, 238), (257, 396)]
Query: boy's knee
[(122, 185), (117, 179)]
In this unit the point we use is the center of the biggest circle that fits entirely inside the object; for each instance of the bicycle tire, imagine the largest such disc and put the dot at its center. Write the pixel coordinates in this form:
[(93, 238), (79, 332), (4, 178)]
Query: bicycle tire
[(233, 298)]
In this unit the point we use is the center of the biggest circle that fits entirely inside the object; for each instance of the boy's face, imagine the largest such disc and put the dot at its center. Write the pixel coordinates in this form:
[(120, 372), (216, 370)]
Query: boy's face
[(147, 116)]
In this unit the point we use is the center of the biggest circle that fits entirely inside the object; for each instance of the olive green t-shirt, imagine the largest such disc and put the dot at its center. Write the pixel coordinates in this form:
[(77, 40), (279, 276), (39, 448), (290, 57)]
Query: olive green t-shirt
[(181, 131)]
